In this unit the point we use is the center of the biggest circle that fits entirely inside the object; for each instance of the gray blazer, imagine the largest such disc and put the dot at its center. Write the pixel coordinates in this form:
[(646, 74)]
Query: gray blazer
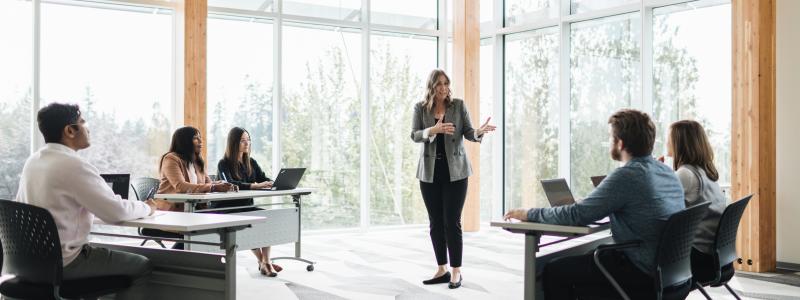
[(457, 162)]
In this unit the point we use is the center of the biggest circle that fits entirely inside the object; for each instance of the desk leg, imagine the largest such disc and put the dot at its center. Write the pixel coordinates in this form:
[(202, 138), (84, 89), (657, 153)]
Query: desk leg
[(531, 247), (188, 207), (296, 199), (297, 245), (229, 244)]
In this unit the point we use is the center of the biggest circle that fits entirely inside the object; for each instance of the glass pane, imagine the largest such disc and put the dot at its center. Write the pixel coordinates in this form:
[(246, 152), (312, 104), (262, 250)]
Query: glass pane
[(692, 75), (409, 13), (254, 5), (526, 11), (399, 66), (120, 74), (487, 110), (16, 74), (321, 121), (579, 6), (532, 116), (348, 10), (240, 87), (605, 76)]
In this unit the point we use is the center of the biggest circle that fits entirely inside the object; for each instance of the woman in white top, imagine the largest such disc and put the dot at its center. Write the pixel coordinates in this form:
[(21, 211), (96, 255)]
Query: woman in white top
[(693, 162)]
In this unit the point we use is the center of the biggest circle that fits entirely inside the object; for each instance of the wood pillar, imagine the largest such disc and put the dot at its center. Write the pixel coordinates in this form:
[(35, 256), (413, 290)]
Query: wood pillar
[(753, 131), (466, 81), (193, 16)]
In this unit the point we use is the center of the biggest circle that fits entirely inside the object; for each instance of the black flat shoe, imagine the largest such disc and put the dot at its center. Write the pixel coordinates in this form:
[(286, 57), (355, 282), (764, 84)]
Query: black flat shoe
[(441, 279), (455, 285)]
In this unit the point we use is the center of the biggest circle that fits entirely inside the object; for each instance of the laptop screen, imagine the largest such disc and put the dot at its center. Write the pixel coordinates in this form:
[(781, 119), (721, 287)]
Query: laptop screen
[(119, 183), (557, 192)]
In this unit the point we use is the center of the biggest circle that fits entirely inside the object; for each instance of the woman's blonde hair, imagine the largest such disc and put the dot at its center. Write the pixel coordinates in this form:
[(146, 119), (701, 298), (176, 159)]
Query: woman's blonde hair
[(431, 89), (691, 147)]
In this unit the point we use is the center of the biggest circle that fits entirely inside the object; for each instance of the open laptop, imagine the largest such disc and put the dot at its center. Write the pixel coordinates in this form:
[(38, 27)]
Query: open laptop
[(287, 179), (557, 192), (596, 180), (119, 183)]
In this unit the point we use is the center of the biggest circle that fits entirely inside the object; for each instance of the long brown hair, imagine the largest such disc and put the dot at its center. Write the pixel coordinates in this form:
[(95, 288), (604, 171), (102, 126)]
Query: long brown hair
[(232, 153), (430, 92), (691, 147)]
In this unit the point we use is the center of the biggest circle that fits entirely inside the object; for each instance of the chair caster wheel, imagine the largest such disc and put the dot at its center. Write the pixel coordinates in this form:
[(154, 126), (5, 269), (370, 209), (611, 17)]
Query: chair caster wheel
[(310, 268)]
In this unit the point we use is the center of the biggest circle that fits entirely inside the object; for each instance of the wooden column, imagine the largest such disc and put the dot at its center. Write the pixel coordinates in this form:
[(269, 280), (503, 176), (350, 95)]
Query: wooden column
[(466, 81), (753, 131), (193, 18)]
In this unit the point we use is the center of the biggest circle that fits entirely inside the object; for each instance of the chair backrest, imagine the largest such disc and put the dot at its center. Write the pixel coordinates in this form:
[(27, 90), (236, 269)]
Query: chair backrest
[(673, 256), (725, 241), (31, 247), (142, 185)]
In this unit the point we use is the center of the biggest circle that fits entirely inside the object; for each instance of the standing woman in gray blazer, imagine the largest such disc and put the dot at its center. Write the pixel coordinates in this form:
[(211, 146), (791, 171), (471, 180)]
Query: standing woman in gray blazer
[(441, 124)]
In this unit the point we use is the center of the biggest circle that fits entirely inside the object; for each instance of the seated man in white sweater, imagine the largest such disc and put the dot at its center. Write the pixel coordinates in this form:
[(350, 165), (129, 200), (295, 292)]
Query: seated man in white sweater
[(71, 189)]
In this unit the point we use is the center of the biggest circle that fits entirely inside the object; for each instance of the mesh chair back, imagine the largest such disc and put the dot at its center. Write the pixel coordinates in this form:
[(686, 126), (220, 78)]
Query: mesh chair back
[(31, 247), (673, 256), (725, 241), (142, 185)]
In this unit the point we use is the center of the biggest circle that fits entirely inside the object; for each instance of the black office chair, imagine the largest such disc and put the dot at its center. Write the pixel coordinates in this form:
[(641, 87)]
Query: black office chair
[(673, 272), (32, 252), (141, 186), (725, 249)]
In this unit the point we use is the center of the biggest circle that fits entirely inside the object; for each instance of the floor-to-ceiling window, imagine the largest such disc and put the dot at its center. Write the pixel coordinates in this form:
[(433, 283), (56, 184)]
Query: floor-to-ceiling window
[(320, 113), (116, 63), (671, 60), (691, 74), (400, 65), (240, 78), (531, 115), (16, 98), (605, 71)]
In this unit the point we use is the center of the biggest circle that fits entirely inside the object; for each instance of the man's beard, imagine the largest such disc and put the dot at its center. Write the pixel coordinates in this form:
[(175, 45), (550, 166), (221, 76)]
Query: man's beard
[(616, 154)]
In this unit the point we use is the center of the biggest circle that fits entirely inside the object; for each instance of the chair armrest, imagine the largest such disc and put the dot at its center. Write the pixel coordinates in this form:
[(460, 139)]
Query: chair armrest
[(618, 246)]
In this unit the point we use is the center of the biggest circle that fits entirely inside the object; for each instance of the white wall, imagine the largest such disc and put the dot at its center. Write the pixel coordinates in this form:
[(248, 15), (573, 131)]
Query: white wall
[(788, 123)]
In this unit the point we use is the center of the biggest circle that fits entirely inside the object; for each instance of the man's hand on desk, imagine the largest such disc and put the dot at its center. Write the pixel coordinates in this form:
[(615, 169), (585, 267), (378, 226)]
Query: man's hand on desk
[(152, 204), (517, 213)]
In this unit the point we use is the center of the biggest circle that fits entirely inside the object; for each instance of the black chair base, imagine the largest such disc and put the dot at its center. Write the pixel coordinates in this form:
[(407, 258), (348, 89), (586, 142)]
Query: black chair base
[(86, 288)]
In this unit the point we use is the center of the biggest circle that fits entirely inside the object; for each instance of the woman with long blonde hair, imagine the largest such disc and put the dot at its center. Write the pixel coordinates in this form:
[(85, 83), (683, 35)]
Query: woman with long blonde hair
[(441, 124)]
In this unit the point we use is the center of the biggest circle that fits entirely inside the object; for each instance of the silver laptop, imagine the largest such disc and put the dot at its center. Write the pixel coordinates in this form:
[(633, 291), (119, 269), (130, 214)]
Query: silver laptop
[(557, 192)]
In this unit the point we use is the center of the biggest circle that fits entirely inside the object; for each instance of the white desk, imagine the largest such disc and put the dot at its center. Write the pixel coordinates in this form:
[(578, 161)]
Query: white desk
[(191, 199), (189, 223), (533, 233)]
